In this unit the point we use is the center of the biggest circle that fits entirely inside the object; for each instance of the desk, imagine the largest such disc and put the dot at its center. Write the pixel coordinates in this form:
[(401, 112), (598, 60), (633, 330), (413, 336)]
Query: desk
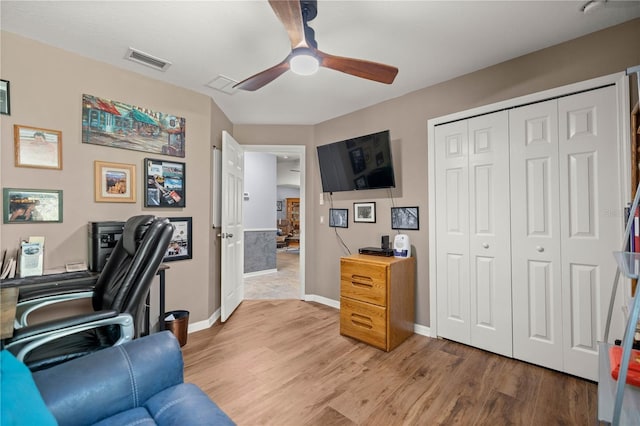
[(29, 286), (8, 300)]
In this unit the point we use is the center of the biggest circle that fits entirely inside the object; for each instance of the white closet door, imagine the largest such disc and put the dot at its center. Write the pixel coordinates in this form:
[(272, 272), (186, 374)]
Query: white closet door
[(473, 250), (452, 230), (489, 234), (535, 235), (589, 194)]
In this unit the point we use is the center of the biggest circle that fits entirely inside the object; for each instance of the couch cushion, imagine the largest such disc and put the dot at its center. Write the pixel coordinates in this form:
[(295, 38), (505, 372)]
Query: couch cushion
[(186, 404), (20, 400), (136, 416)]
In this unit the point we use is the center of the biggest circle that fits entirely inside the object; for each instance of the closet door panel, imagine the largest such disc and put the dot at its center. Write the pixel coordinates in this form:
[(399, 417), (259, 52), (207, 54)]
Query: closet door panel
[(535, 235), (452, 230), (489, 235), (588, 190)]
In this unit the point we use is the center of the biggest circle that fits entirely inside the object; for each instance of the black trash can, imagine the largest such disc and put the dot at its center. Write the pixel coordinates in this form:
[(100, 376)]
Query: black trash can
[(178, 325)]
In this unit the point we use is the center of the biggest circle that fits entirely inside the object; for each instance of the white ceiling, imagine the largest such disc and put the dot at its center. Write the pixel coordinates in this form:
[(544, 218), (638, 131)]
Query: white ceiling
[(429, 41)]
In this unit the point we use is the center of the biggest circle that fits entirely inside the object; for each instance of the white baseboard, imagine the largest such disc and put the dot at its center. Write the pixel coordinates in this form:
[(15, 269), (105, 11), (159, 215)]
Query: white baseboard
[(422, 330)]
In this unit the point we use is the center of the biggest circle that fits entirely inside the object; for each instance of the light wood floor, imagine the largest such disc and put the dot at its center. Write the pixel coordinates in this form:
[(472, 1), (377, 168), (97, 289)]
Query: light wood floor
[(283, 284), (283, 362)]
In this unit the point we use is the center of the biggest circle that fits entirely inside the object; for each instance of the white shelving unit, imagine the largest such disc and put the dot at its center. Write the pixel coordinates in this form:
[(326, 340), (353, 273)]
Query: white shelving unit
[(619, 403)]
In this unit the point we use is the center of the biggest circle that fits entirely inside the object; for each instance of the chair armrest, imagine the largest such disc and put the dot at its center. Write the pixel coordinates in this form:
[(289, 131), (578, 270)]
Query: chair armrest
[(88, 389), (27, 339), (35, 300)]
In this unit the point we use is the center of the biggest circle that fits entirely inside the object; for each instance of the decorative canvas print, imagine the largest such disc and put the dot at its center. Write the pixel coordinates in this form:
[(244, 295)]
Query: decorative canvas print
[(116, 124)]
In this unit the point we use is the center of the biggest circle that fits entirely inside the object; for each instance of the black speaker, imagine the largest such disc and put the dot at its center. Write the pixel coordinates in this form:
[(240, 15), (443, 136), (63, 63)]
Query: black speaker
[(384, 243)]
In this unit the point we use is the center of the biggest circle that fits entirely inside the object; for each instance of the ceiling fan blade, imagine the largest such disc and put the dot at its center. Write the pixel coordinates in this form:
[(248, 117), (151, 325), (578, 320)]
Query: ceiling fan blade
[(290, 14), (263, 78), (360, 68)]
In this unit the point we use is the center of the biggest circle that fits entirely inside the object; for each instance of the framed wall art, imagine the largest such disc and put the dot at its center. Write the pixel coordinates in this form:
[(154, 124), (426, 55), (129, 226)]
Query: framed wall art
[(165, 183), (405, 218), (31, 205), (5, 100), (180, 245), (115, 182), (119, 125), (36, 147), (339, 218), (364, 212)]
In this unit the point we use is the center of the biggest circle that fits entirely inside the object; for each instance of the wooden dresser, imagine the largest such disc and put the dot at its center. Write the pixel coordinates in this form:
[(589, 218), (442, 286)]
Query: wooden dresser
[(377, 299)]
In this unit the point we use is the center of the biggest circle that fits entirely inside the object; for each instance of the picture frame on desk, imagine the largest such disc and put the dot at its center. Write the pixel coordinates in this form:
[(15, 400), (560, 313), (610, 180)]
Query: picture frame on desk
[(31, 205), (180, 247)]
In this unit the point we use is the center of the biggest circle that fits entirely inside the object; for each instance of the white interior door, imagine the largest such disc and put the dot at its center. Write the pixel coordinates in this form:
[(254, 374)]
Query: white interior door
[(588, 189), (535, 235), (489, 233), (232, 286)]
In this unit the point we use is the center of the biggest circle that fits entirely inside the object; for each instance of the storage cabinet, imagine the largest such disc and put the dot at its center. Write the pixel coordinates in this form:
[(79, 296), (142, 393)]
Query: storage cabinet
[(377, 299), (293, 217)]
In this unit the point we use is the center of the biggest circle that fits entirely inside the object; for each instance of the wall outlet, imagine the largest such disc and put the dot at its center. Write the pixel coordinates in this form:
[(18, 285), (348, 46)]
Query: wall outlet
[(321, 219)]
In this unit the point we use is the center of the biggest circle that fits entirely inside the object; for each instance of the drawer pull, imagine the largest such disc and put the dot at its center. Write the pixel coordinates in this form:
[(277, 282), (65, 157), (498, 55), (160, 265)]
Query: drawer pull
[(362, 321), (361, 281)]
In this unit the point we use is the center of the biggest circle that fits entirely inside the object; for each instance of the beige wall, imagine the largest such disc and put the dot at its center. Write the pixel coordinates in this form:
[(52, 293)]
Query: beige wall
[(46, 91), (594, 55), (46, 85)]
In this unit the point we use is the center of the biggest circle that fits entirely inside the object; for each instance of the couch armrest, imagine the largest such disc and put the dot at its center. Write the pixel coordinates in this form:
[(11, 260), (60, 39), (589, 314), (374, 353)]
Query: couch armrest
[(91, 388)]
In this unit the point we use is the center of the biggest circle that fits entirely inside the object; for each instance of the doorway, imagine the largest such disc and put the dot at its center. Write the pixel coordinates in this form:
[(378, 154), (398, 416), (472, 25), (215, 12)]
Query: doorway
[(286, 281)]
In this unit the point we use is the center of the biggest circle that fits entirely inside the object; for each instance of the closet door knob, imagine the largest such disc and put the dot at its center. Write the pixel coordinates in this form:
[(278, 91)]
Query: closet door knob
[(539, 249), (485, 245)]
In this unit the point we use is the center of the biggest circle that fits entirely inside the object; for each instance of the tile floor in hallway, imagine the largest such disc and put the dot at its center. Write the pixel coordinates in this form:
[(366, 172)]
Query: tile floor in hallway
[(283, 284)]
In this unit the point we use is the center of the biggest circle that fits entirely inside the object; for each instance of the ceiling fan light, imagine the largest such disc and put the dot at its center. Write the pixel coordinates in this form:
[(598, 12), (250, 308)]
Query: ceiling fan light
[(304, 64)]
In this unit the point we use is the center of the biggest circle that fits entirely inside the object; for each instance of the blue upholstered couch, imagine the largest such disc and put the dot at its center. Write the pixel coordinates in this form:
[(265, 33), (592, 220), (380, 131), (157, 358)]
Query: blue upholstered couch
[(139, 382)]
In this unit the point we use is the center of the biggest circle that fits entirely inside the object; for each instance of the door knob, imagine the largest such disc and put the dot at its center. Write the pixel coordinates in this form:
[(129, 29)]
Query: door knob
[(539, 249), (485, 245)]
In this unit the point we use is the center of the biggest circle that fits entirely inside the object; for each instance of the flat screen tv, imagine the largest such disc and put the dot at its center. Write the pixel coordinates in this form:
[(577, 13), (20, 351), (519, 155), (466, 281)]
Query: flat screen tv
[(355, 164)]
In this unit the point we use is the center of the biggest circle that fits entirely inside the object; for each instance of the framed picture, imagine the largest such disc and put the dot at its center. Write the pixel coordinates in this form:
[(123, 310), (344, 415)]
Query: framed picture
[(131, 127), (5, 100), (164, 183), (36, 147), (404, 218), (115, 182), (339, 218), (31, 205), (279, 205), (364, 212), (180, 245)]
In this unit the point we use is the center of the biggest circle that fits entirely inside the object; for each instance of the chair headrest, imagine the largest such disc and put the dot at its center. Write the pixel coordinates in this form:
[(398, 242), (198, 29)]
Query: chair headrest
[(134, 230)]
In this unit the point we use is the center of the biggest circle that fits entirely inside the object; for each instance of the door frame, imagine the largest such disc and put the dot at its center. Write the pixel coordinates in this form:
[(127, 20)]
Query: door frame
[(620, 80), (299, 150)]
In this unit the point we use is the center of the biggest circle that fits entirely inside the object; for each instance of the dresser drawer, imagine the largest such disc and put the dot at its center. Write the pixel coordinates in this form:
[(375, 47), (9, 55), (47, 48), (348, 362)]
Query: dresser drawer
[(366, 282), (364, 321)]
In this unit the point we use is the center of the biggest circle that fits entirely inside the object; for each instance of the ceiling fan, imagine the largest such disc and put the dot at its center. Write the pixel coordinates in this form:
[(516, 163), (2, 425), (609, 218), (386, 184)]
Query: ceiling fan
[(305, 58)]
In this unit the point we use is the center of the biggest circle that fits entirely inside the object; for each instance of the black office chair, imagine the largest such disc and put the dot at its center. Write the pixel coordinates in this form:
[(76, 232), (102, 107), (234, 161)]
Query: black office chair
[(118, 300)]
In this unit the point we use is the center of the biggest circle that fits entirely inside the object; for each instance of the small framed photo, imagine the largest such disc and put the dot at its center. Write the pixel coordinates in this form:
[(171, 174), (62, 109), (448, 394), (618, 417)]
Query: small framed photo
[(364, 212), (404, 218), (339, 218), (31, 205), (36, 147), (164, 183), (279, 205), (115, 182), (5, 100), (180, 245)]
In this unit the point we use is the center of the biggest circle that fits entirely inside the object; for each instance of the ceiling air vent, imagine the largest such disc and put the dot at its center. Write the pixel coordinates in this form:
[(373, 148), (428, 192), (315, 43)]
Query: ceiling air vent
[(223, 84), (146, 59)]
